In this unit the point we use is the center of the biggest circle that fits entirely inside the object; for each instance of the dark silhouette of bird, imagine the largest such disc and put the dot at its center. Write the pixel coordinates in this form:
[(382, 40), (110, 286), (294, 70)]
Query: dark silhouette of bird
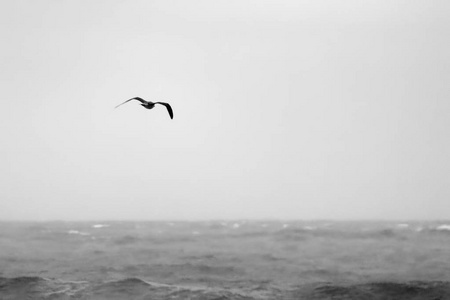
[(150, 105)]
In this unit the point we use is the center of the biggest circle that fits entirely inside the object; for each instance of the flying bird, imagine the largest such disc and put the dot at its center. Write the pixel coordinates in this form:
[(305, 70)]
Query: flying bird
[(150, 105)]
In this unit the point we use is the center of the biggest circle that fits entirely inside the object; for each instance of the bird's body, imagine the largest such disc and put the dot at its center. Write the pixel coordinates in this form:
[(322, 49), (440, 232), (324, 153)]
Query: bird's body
[(150, 105)]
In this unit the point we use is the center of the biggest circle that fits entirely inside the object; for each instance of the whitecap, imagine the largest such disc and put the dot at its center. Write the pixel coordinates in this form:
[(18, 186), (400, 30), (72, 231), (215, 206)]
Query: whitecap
[(443, 227), (99, 226)]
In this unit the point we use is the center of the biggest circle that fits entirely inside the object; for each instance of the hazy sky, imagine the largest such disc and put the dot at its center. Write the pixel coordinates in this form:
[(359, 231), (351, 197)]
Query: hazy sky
[(282, 109)]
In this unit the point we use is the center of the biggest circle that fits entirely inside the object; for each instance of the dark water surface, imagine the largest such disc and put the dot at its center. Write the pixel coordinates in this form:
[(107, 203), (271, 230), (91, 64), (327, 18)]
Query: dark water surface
[(224, 260)]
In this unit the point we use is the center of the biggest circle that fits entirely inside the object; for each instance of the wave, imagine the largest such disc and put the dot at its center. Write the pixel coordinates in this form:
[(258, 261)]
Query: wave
[(34, 287)]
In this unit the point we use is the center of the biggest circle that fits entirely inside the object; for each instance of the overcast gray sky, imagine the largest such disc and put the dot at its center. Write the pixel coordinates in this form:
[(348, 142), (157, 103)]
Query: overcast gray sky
[(282, 109)]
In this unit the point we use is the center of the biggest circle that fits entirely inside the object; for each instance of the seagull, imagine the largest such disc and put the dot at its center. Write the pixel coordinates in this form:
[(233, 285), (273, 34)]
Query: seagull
[(150, 105)]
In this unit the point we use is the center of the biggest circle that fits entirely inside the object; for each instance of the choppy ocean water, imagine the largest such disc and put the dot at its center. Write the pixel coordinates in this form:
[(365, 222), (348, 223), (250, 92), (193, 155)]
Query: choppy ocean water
[(224, 260)]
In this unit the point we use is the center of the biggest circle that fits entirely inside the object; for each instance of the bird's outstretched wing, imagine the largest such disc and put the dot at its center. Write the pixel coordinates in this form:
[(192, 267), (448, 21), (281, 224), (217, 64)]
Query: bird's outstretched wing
[(169, 108), (135, 98)]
